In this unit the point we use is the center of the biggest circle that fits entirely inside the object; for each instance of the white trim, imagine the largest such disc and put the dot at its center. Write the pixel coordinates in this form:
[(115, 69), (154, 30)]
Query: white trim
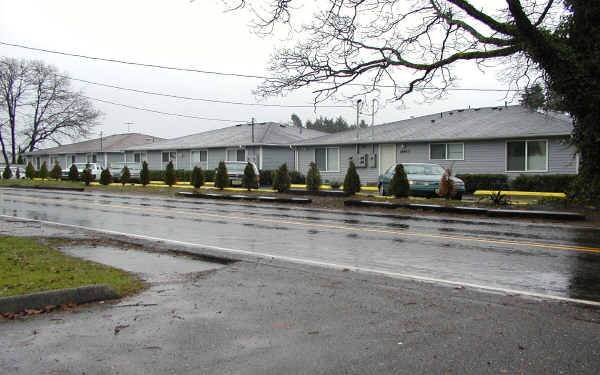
[(446, 152), (260, 156), (163, 165), (526, 170), (296, 161), (327, 158), (192, 163), (236, 149)]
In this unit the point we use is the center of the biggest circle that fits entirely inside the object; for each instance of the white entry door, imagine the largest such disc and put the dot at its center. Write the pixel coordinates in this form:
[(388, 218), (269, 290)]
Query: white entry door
[(387, 155)]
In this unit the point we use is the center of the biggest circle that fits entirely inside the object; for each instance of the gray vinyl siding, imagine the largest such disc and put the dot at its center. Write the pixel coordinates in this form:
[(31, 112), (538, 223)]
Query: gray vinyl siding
[(273, 157), (113, 157), (154, 160), (306, 155), (215, 155)]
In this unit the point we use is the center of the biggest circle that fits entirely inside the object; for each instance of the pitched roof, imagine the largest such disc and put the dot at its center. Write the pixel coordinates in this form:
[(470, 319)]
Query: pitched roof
[(111, 143), (463, 124), (267, 133)]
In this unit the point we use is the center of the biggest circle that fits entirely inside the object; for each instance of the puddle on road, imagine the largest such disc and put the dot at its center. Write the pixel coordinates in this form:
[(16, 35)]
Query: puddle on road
[(152, 267)]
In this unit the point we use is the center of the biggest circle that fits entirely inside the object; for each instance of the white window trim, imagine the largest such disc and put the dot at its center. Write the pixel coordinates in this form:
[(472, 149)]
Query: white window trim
[(205, 167), (526, 170), (163, 164), (446, 146), (326, 158), (236, 149)]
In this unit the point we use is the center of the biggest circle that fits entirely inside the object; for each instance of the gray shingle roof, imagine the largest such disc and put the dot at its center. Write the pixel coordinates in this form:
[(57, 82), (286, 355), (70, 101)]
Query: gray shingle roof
[(111, 143), (464, 124), (268, 133)]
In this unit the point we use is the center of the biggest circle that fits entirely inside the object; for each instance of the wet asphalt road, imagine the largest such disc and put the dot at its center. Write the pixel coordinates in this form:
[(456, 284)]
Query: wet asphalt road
[(545, 258)]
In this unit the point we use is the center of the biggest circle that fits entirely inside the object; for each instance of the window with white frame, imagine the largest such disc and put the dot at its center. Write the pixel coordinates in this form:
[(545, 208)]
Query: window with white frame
[(327, 159), (446, 151), (137, 157), (73, 159), (237, 154), (524, 156), (168, 156), (200, 158)]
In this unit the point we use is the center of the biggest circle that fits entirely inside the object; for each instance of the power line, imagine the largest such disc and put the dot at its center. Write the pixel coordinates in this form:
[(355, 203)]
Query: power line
[(162, 113), (202, 99), (232, 74)]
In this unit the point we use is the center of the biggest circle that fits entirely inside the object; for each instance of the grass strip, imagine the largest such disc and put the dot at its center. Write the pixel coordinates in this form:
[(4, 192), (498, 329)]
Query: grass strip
[(29, 267)]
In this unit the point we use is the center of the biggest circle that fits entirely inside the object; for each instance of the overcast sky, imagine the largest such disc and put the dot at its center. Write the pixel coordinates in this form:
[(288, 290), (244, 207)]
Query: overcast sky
[(188, 34)]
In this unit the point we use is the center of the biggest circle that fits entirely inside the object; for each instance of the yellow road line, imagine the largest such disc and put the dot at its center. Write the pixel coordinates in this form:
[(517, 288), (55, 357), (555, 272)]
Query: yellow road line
[(328, 226)]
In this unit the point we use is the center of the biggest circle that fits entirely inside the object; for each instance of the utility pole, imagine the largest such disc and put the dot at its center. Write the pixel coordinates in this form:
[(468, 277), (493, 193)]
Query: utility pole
[(373, 117), (357, 112), (252, 129)]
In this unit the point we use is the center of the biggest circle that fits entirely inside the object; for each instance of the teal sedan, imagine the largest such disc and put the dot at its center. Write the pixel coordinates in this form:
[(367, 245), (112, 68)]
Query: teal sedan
[(423, 180)]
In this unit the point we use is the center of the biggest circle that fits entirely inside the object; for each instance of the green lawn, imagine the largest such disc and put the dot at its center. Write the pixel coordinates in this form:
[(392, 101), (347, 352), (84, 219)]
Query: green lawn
[(28, 267)]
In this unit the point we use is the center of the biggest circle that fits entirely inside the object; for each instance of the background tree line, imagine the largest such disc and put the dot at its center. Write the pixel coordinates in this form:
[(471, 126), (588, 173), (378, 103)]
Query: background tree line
[(327, 125)]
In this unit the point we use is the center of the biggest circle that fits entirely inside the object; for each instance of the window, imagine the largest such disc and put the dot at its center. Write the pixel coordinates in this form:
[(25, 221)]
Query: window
[(446, 151), (169, 156), (522, 156), (200, 158), (137, 157), (37, 163), (236, 155), (94, 158), (73, 159), (327, 159)]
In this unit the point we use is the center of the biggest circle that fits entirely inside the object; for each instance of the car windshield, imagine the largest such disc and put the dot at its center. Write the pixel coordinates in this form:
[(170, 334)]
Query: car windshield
[(129, 165), (422, 169), (235, 167)]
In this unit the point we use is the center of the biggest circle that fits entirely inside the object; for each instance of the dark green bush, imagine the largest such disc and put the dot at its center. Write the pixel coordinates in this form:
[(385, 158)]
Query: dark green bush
[(475, 182), (399, 183), (157, 175), (29, 171), (221, 178), (266, 177), (56, 172), (73, 173), (7, 173), (170, 174), (249, 179), (43, 172), (209, 175), (313, 178), (352, 180), (145, 174), (105, 177), (86, 176), (125, 175), (183, 175), (281, 179), (197, 177), (297, 177), (558, 183)]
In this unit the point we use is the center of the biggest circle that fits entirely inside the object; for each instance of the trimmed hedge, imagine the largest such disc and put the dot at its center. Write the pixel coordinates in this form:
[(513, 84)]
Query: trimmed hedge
[(484, 181), (266, 178), (558, 183), (297, 177)]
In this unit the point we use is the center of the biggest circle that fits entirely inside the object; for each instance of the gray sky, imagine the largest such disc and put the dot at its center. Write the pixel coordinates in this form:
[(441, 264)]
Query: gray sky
[(179, 33)]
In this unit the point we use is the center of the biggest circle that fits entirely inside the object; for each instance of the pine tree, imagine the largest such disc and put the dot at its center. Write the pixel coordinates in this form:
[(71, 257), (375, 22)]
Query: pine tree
[(20, 159), (7, 174), (43, 174), (281, 179), (249, 178), (145, 174), (125, 175), (170, 174), (105, 177), (352, 180), (56, 172), (221, 178), (197, 177), (313, 178), (29, 171), (86, 175), (73, 173), (399, 183)]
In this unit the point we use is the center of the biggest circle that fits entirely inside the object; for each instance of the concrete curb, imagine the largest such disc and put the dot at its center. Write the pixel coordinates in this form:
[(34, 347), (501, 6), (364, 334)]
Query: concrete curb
[(530, 214), (245, 197), (37, 301), (38, 187)]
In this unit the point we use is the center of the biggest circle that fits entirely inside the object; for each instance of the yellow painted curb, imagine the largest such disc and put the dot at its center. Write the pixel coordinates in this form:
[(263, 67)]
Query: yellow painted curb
[(520, 193)]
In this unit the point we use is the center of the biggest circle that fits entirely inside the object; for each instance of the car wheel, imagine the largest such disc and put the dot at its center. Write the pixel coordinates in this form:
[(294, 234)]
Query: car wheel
[(381, 191)]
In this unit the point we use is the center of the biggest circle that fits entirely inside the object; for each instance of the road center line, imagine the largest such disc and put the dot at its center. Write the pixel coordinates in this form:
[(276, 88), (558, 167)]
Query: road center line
[(336, 266), (326, 226)]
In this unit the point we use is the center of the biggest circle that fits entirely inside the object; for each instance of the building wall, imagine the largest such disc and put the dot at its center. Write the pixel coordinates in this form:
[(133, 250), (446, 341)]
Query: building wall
[(273, 157)]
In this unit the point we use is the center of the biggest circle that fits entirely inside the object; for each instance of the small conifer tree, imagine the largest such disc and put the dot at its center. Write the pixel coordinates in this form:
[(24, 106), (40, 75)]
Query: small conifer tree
[(20, 159), (29, 171), (73, 173), (105, 177), (249, 178), (281, 179), (145, 174), (313, 178), (86, 175), (399, 183), (56, 171), (197, 177), (221, 178), (170, 174), (43, 173), (447, 187), (18, 174), (7, 173), (352, 180), (125, 175)]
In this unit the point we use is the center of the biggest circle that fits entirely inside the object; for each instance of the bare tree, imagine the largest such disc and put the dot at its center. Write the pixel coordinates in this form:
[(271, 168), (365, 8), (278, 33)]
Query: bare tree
[(40, 107), (415, 45)]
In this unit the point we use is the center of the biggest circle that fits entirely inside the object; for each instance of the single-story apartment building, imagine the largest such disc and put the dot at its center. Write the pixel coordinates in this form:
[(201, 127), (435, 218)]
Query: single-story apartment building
[(509, 140), (267, 144), (103, 151)]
